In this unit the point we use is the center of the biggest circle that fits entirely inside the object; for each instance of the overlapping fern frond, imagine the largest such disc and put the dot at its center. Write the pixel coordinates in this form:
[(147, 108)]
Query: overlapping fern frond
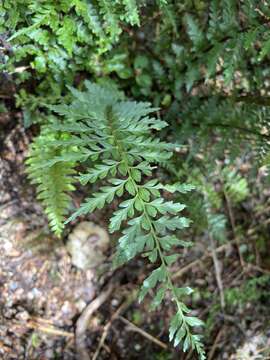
[(54, 182)]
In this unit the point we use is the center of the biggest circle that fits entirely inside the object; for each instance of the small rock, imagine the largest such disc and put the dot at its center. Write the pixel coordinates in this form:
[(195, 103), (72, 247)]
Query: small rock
[(115, 302), (49, 353), (68, 310), (87, 245), (37, 293), (23, 316), (137, 347), (18, 293), (13, 286), (80, 305)]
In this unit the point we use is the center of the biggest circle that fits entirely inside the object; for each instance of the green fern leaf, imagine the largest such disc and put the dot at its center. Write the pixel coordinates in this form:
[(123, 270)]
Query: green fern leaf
[(116, 135), (54, 183)]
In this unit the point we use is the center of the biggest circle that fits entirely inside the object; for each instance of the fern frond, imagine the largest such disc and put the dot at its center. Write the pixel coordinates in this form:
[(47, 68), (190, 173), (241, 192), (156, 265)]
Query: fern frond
[(111, 20), (116, 135), (235, 186), (195, 33), (132, 13), (54, 183)]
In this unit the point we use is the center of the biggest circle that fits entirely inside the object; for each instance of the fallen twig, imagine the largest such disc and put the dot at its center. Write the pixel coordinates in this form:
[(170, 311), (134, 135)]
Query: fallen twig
[(143, 333), (106, 329), (52, 330), (194, 263), (233, 321), (217, 271), (233, 226), (258, 268), (216, 343), (83, 321)]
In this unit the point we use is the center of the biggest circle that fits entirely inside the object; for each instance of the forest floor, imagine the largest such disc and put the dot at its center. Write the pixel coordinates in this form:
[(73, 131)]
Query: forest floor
[(51, 309)]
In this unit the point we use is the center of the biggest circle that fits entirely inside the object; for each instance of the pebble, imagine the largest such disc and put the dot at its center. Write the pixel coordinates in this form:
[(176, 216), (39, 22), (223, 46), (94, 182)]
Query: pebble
[(115, 302), (13, 286), (24, 316), (80, 305), (49, 354)]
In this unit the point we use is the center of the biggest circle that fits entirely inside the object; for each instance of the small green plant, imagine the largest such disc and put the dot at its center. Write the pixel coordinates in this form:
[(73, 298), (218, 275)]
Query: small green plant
[(114, 135), (251, 291)]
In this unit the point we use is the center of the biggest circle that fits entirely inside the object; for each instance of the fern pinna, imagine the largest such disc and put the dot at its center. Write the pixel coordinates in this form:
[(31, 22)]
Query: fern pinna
[(114, 135)]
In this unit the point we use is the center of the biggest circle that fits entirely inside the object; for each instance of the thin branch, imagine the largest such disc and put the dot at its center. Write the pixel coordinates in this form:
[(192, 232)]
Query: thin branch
[(216, 343), (106, 329), (217, 271), (194, 263), (133, 327), (83, 321), (48, 329), (233, 225)]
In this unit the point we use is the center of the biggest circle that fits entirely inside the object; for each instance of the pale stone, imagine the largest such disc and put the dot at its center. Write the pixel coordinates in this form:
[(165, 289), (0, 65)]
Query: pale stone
[(87, 244)]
